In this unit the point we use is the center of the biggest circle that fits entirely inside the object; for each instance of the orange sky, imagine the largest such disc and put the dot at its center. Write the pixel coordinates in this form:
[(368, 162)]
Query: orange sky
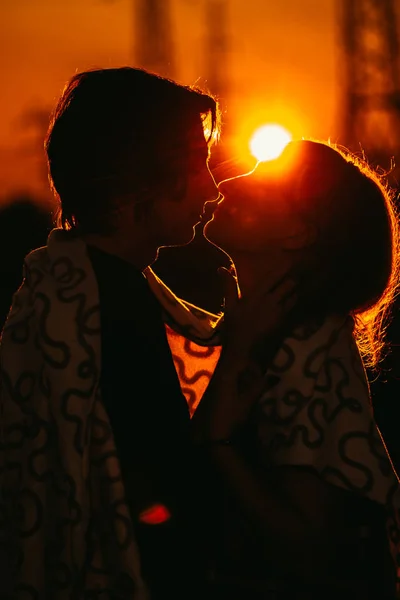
[(283, 64)]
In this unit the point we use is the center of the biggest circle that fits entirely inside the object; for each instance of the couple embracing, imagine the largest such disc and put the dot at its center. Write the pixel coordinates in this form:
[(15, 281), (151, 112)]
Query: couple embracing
[(279, 485)]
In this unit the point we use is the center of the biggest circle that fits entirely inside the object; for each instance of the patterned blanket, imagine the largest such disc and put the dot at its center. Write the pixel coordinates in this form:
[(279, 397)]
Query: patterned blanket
[(65, 524)]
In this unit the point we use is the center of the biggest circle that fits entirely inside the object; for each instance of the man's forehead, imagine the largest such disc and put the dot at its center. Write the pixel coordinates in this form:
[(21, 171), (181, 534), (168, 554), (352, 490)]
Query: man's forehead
[(199, 133), (198, 145), (193, 138)]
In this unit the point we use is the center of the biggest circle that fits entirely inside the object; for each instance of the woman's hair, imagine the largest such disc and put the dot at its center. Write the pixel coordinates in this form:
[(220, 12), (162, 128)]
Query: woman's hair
[(354, 247), (118, 133)]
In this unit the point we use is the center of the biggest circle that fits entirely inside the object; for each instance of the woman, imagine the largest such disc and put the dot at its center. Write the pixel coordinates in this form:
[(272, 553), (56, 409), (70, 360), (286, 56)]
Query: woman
[(307, 491)]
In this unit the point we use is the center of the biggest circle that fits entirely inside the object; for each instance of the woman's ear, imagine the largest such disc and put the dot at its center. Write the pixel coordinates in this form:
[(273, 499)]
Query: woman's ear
[(307, 189), (303, 235)]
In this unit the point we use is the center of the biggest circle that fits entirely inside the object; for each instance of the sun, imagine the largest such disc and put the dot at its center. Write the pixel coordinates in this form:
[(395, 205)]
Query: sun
[(269, 141)]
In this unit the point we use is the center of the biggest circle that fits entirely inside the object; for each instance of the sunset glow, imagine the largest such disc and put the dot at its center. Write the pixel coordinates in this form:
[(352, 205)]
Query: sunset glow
[(269, 141), (61, 38)]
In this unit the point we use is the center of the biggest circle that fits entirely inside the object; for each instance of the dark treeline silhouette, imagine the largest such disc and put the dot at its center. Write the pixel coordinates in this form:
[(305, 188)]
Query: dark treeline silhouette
[(23, 227)]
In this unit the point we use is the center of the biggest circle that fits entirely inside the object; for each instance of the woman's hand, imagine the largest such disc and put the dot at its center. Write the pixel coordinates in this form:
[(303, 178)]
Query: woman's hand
[(240, 376), (258, 317)]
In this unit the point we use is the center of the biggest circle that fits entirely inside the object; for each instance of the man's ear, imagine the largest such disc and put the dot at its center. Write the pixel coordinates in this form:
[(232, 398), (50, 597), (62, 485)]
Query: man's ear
[(137, 211)]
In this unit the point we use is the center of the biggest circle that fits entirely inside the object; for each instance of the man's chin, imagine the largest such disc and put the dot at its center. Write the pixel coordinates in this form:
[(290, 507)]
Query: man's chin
[(184, 241), (190, 237)]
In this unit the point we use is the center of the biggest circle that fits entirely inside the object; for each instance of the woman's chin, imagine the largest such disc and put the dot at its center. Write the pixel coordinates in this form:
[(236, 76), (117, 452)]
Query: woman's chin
[(210, 231)]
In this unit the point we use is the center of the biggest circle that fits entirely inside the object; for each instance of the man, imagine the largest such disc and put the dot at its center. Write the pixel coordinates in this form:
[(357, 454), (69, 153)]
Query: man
[(95, 430)]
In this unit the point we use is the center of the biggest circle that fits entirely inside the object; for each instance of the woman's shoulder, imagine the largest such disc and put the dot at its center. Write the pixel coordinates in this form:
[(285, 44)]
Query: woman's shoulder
[(303, 352), (316, 366), (320, 414)]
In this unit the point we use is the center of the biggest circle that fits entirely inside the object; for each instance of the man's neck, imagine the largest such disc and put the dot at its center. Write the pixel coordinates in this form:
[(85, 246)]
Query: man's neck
[(140, 254)]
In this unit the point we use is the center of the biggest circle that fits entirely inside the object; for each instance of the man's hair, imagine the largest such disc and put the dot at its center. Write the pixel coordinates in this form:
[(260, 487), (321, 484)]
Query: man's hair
[(121, 133)]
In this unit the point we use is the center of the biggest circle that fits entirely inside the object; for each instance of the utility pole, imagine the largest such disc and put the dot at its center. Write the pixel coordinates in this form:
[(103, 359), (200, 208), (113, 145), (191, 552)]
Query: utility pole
[(153, 45), (216, 49), (370, 74), (217, 74)]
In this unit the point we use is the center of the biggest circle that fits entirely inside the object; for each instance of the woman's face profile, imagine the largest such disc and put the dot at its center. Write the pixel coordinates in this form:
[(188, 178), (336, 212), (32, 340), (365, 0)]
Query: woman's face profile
[(254, 215)]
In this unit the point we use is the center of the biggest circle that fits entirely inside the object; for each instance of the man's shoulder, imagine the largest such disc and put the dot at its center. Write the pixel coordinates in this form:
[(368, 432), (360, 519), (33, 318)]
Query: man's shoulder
[(62, 259), (53, 275)]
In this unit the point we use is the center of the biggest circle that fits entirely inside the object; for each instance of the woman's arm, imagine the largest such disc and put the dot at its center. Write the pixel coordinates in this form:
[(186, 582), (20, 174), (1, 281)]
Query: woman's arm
[(296, 513), (303, 521), (294, 532)]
